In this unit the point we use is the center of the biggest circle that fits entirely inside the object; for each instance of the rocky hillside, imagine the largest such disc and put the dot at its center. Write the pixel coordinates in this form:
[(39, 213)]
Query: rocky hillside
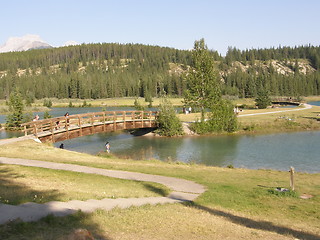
[(289, 67)]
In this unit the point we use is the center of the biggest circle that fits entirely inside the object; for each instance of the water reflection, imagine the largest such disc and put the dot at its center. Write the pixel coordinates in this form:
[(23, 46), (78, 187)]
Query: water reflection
[(270, 151), (10, 134), (215, 151), (211, 151)]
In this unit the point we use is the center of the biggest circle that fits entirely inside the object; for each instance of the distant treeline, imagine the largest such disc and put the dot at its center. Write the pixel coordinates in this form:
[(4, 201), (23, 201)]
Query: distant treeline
[(121, 70)]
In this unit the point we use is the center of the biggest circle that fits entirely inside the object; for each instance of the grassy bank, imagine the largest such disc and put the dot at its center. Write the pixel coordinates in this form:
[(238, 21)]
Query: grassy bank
[(107, 102), (279, 121), (238, 203)]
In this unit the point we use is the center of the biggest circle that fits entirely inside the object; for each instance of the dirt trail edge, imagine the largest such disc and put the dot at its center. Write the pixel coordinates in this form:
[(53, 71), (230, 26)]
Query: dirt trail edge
[(183, 190)]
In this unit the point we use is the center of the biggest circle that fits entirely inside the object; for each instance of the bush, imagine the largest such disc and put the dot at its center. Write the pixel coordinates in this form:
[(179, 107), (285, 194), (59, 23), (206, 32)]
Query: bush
[(47, 103), (169, 124), (221, 119), (46, 115), (138, 106)]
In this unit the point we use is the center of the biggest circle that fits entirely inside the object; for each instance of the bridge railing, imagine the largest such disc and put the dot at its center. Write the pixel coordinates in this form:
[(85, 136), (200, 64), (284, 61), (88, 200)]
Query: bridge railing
[(84, 120)]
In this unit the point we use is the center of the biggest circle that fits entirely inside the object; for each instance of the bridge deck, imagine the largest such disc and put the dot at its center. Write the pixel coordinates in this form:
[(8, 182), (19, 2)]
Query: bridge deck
[(61, 128)]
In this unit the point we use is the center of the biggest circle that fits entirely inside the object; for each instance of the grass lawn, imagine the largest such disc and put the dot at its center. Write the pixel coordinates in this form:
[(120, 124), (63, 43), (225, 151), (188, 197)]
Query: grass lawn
[(239, 203)]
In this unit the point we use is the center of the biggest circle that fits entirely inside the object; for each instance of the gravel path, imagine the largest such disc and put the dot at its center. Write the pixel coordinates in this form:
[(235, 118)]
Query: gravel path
[(183, 190), (305, 106)]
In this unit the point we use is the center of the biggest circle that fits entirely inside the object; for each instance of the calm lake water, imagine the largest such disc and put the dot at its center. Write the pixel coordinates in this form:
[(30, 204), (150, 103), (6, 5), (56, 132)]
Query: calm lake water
[(272, 151)]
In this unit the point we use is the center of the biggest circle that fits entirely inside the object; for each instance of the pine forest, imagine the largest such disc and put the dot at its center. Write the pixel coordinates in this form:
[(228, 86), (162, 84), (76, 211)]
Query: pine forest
[(93, 71)]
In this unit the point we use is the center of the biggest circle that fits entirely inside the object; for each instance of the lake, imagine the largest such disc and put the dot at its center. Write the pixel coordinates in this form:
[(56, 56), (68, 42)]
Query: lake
[(270, 151)]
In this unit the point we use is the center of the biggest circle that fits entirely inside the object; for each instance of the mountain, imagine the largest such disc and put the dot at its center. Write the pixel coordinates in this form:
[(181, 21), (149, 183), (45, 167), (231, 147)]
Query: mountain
[(24, 43)]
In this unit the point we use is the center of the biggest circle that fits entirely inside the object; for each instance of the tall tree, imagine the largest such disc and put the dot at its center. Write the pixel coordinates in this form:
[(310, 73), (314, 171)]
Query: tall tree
[(202, 80)]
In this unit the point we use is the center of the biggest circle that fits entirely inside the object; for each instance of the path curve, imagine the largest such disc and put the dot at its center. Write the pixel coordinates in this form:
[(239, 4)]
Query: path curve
[(183, 190), (305, 106)]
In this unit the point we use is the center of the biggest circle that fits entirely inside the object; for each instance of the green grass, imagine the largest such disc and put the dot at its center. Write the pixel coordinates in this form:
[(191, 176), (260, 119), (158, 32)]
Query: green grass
[(107, 102), (234, 198), (58, 185)]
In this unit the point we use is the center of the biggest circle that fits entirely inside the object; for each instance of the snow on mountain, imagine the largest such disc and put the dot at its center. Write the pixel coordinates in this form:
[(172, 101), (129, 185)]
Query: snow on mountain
[(70, 43), (24, 43)]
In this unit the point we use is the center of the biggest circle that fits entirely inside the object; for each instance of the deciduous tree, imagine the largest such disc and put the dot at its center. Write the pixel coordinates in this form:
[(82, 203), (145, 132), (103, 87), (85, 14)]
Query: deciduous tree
[(202, 80)]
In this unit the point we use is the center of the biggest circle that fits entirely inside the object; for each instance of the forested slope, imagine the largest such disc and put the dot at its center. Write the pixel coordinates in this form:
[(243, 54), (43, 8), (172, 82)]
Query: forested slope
[(120, 70)]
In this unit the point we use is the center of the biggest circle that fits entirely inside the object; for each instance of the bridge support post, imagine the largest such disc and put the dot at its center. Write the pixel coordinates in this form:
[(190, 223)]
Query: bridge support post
[(80, 127), (92, 124), (52, 131), (114, 121), (133, 119), (150, 115)]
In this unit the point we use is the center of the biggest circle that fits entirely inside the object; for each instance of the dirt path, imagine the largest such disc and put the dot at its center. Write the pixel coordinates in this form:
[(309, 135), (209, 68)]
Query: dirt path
[(183, 190)]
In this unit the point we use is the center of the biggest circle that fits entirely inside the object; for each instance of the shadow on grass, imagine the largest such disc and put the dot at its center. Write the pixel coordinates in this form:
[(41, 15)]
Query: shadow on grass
[(254, 224), (156, 190), (50, 227), (313, 118), (14, 193)]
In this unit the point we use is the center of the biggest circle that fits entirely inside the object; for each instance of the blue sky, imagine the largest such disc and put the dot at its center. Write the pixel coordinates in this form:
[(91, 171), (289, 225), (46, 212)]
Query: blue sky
[(243, 24)]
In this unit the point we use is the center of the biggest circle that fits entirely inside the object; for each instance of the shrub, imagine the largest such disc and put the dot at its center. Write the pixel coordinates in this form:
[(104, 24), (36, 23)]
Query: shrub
[(138, 106), (47, 103), (221, 119), (46, 115), (70, 104), (169, 124)]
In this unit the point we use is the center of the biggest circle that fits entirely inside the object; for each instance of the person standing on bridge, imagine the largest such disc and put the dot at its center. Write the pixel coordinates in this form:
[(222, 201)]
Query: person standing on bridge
[(67, 117), (36, 118), (107, 147)]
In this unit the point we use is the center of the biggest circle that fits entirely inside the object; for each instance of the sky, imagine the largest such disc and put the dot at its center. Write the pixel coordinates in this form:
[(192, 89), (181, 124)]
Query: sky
[(243, 24)]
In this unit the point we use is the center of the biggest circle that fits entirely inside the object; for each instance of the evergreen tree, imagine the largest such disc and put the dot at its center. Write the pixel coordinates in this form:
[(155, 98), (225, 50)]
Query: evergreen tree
[(263, 99), (15, 118)]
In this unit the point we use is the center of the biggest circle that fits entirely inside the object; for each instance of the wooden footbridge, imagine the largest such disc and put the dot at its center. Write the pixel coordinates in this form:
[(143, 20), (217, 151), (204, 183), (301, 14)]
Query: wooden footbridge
[(73, 126)]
